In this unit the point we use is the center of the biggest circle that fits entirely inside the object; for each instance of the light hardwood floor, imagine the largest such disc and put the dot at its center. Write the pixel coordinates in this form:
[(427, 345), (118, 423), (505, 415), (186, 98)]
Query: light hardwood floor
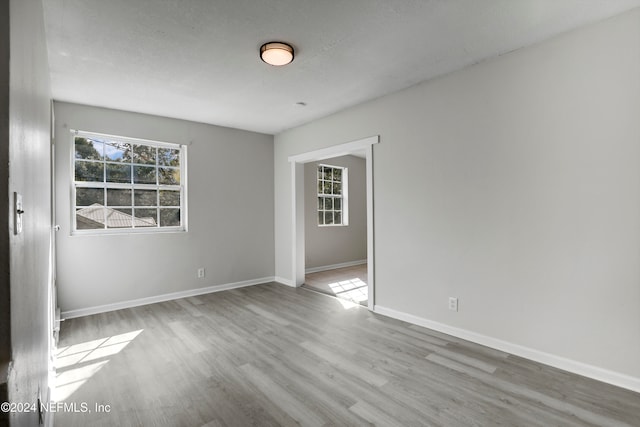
[(272, 355), (349, 283)]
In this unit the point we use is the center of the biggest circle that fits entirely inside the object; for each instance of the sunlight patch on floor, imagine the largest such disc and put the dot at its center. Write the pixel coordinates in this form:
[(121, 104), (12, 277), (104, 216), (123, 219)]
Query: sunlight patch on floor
[(72, 367), (346, 304), (354, 290)]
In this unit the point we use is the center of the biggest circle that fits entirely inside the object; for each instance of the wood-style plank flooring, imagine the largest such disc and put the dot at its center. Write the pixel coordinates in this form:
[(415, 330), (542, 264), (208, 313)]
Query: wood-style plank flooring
[(349, 283), (271, 355)]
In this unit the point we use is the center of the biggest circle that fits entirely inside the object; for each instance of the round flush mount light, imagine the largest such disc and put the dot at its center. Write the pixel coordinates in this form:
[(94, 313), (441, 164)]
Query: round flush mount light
[(276, 53)]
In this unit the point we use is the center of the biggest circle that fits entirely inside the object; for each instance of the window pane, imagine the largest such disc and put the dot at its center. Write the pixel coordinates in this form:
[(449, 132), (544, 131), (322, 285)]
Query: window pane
[(337, 175), (328, 203), (124, 183), (169, 198), (117, 152), (145, 197), (88, 149), (168, 157), (320, 187), (119, 197), (144, 154), (169, 217), (118, 173), (320, 202), (337, 217), (89, 196), (337, 203), (327, 173), (320, 218), (328, 217), (89, 171), (119, 218), (320, 174), (327, 187), (144, 174), (146, 218), (169, 176), (91, 218), (337, 188)]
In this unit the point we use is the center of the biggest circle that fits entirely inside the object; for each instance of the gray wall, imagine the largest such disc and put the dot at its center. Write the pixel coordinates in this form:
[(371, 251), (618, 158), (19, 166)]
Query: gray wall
[(29, 173), (513, 185), (230, 197), (325, 246)]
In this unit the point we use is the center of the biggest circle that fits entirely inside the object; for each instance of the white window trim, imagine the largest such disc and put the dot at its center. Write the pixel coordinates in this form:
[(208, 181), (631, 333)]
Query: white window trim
[(142, 230), (344, 196)]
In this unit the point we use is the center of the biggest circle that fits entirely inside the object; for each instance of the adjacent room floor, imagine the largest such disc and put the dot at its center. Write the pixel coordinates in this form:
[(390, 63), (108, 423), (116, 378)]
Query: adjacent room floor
[(349, 283), (270, 355)]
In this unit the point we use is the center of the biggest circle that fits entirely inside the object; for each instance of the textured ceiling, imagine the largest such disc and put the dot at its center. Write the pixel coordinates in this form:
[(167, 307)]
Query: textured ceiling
[(198, 59)]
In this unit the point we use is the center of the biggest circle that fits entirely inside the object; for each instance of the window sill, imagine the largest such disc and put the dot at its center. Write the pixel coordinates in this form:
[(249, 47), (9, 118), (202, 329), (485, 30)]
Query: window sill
[(127, 232)]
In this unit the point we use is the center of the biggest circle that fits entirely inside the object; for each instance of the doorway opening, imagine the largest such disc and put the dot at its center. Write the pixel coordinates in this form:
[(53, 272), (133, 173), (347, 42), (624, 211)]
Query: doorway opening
[(358, 282), (336, 227)]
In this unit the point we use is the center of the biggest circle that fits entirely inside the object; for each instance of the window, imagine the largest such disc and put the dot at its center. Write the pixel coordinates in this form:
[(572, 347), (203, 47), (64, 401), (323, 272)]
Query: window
[(332, 196), (125, 184)]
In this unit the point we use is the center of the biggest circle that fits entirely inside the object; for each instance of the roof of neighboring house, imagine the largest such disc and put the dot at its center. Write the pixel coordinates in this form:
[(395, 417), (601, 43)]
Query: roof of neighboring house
[(96, 213)]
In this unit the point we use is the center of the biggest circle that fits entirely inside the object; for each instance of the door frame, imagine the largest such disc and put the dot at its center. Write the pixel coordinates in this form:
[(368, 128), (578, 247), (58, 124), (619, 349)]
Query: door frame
[(297, 206)]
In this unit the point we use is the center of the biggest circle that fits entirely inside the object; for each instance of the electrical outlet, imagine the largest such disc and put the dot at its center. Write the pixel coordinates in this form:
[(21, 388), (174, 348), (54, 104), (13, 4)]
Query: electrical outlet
[(201, 273), (453, 304)]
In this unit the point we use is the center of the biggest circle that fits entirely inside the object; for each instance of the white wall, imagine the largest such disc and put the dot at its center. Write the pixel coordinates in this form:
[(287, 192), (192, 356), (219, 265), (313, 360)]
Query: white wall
[(230, 196), (28, 168), (5, 205), (513, 185), (325, 246)]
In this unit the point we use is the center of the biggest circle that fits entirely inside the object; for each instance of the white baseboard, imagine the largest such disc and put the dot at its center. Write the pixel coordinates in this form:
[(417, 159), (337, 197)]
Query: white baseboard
[(590, 371), (334, 266), (285, 281), (160, 298)]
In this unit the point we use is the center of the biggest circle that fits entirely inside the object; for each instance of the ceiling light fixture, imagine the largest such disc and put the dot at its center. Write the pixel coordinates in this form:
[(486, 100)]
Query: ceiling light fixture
[(276, 53)]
